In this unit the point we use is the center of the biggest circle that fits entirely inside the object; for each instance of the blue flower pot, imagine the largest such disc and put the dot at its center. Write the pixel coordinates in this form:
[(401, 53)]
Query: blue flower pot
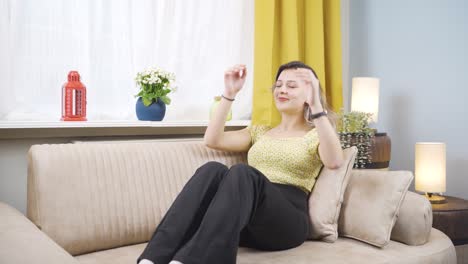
[(153, 112)]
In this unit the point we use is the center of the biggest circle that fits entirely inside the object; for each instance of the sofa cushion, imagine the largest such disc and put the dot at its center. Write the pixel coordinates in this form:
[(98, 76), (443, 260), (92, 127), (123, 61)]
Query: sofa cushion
[(414, 222), (326, 198), (439, 249), (22, 242), (371, 203), (95, 196), (121, 255)]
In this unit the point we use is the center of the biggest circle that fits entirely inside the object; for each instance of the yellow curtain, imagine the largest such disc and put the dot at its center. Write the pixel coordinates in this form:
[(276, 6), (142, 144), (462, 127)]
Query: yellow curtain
[(286, 30)]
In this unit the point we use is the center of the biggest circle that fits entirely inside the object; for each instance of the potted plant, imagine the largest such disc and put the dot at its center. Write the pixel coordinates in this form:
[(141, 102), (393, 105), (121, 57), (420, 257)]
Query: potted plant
[(155, 84), (353, 129)]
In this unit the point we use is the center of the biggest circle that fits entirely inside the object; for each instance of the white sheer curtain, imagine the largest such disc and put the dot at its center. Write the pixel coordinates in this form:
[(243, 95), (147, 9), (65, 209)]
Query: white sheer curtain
[(108, 41)]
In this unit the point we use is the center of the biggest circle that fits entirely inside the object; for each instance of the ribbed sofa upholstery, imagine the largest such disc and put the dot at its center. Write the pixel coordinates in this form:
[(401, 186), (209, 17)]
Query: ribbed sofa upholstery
[(100, 203)]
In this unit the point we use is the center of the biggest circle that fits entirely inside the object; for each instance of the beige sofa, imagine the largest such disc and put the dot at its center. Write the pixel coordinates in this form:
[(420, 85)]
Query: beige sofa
[(100, 203)]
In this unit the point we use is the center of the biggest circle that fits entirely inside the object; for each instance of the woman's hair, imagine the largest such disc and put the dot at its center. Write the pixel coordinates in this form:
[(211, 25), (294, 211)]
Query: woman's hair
[(307, 113)]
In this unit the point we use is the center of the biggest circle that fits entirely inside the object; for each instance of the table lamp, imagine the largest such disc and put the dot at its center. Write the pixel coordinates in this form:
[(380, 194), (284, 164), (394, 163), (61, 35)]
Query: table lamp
[(365, 98), (429, 170)]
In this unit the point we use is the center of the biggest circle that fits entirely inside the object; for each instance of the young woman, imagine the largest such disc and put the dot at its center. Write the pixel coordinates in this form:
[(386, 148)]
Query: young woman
[(262, 205)]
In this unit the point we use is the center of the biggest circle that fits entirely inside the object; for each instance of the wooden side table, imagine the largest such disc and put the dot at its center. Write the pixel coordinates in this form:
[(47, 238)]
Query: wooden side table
[(452, 219)]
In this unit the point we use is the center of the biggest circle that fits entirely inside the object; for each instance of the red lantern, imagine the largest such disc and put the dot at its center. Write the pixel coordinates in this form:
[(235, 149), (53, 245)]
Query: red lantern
[(73, 99)]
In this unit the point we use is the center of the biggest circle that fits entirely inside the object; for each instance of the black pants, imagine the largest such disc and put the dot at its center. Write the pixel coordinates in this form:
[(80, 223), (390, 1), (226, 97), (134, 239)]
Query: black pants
[(220, 208)]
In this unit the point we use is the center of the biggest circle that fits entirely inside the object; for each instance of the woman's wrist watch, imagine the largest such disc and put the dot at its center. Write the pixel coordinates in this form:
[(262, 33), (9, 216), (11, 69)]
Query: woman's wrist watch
[(317, 115)]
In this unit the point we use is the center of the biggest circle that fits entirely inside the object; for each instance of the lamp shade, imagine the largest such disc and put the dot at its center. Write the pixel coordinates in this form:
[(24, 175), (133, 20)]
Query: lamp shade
[(365, 96), (430, 162)]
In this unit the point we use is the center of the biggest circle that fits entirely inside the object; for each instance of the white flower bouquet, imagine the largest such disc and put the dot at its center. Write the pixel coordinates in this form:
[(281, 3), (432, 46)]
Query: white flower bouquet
[(155, 83)]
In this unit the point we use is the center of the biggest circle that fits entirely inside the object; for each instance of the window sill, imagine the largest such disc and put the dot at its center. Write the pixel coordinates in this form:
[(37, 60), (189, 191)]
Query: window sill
[(54, 129)]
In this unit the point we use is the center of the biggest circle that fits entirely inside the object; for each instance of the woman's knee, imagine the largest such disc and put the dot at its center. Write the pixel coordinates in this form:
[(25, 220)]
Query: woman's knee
[(214, 165), (212, 169), (243, 173), (240, 169)]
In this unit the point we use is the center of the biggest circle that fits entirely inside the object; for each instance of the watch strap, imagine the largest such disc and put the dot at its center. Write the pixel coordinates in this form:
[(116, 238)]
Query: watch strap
[(317, 115)]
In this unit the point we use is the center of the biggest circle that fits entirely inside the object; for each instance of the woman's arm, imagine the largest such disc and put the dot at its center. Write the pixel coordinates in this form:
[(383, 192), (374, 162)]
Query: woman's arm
[(215, 137), (329, 148)]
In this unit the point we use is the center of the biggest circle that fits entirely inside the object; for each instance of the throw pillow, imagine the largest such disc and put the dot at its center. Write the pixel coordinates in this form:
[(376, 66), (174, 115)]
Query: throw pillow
[(371, 203), (326, 198), (414, 223)]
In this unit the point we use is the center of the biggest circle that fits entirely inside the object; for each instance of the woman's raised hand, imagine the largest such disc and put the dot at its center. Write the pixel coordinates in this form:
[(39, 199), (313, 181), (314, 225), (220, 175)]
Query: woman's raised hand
[(234, 79), (313, 87)]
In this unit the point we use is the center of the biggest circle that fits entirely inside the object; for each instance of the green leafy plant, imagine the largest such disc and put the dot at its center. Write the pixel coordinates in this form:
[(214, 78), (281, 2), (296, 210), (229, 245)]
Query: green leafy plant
[(155, 83), (354, 122), (354, 130)]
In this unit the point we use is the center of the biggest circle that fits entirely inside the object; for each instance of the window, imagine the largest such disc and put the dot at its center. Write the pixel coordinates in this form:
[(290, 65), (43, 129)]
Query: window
[(109, 41)]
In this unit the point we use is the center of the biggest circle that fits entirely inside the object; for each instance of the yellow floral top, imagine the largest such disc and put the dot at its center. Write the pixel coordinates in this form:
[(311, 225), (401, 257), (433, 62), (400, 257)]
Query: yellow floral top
[(294, 160)]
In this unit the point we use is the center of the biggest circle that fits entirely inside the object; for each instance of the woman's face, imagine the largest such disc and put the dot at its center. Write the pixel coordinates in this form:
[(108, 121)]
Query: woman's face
[(290, 92)]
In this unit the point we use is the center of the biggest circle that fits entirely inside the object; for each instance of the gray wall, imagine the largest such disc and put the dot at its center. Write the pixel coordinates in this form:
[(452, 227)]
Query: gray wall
[(419, 50), (14, 168)]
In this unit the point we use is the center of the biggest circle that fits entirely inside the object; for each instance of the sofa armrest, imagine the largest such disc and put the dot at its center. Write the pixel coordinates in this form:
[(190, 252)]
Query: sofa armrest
[(414, 222), (22, 242)]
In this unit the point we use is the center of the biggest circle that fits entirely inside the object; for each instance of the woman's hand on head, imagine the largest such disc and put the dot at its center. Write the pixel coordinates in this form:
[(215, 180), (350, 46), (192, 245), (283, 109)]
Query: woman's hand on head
[(312, 88), (234, 79)]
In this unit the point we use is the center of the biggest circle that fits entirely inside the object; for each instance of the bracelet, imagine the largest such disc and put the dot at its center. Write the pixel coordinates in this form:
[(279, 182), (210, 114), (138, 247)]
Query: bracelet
[(229, 99)]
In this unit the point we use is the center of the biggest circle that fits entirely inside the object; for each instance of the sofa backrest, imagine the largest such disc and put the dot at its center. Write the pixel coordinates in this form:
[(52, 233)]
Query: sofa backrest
[(96, 196)]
